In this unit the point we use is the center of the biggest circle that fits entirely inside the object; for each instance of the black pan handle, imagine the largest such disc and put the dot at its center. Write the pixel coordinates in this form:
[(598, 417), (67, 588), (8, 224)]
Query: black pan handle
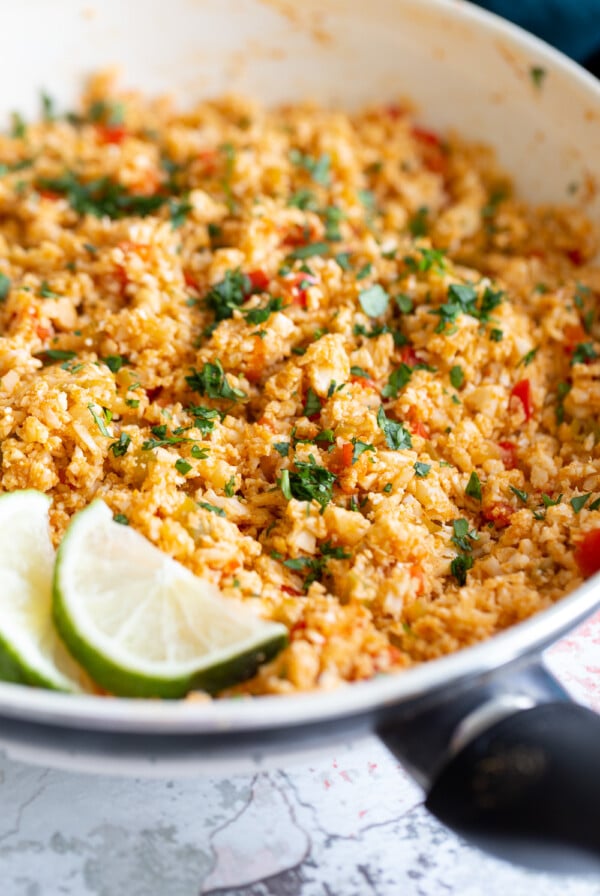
[(528, 789), (511, 764)]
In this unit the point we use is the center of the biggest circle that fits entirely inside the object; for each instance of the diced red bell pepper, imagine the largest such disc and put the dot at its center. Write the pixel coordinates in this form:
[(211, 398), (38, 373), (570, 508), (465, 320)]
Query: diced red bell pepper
[(522, 391), (409, 356), (576, 257), (259, 280), (425, 136), (499, 514), (111, 133), (508, 451), (587, 554), (347, 452)]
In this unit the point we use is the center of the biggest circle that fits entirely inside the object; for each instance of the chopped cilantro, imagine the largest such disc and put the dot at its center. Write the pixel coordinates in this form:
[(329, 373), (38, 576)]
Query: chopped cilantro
[(366, 198), (228, 152), (211, 381), (204, 418), (537, 74), (397, 381), (343, 259), (529, 357), (120, 448), (421, 469), (59, 354), (521, 495), (19, 128), (364, 271), (108, 112), (46, 292), (430, 259), (374, 300), (101, 421), (462, 537), (473, 489), (494, 200), (4, 287), (551, 502), (583, 353), (102, 197), (228, 294), (199, 453), (459, 568), (304, 200), (579, 502), (310, 250), (398, 337), (355, 370), (332, 215), (179, 209), (48, 112), (162, 438), (114, 362), (282, 448), (396, 436), (182, 466), (121, 519), (360, 448), (387, 488), (562, 390), (309, 482), (260, 315), (230, 487), (206, 506), (595, 505), (312, 405), (496, 335), (404, 303), (457, 376), (284, 484), (317, 168), (418, 224)]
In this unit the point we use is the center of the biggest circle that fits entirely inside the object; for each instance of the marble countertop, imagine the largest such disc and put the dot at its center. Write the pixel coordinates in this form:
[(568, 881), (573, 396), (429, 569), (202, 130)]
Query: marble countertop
[(348, 824)]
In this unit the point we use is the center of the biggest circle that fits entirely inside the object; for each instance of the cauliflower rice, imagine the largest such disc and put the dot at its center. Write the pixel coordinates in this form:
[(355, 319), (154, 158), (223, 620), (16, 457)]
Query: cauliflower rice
[(326, 361)]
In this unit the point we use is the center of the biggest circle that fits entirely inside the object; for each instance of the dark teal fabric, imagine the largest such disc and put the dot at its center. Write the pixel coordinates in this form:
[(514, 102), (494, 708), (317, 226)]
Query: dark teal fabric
[(571, 25)]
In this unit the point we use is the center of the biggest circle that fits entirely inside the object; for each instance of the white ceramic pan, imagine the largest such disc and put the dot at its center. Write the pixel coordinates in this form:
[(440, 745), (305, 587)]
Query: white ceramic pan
[(505, 757)]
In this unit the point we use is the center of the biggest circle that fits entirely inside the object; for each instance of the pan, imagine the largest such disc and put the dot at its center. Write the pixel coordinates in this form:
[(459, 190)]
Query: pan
[(505, 757)]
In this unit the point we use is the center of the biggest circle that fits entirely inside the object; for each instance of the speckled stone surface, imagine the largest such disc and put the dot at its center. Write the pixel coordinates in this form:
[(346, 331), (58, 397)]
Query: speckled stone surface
[(351, 825)]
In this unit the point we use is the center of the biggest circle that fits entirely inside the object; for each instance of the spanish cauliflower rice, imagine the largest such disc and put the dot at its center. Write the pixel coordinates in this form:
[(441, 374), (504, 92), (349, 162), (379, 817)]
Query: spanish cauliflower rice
[(326, 361)]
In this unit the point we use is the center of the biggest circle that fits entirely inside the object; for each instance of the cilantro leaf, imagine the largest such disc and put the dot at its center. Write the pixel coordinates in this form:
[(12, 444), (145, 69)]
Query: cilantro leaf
[(521, 495), (421, 469), (460, 566), (211, 381), (308, 251), (374, 301), (579, 502), (473, 489), (396, 436), (317, 168), (397, 380), (309, 482), (5, 284), (457, 376), (120, 448), (206, 506), (312, 405), (360, 448)]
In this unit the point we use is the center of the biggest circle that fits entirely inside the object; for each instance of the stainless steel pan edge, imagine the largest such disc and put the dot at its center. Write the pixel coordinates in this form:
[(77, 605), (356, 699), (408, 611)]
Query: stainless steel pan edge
[(525, 639)]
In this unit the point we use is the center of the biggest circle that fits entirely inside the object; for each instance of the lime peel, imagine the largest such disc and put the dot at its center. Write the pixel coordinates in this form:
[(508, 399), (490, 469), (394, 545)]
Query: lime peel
[(142, 624)]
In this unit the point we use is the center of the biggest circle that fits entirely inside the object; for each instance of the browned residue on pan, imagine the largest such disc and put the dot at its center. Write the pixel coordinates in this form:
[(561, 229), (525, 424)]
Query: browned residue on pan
[(311, 21)]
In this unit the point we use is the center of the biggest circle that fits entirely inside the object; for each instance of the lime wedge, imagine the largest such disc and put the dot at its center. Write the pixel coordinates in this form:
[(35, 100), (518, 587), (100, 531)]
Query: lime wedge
[(142, 624), (30, 651)]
